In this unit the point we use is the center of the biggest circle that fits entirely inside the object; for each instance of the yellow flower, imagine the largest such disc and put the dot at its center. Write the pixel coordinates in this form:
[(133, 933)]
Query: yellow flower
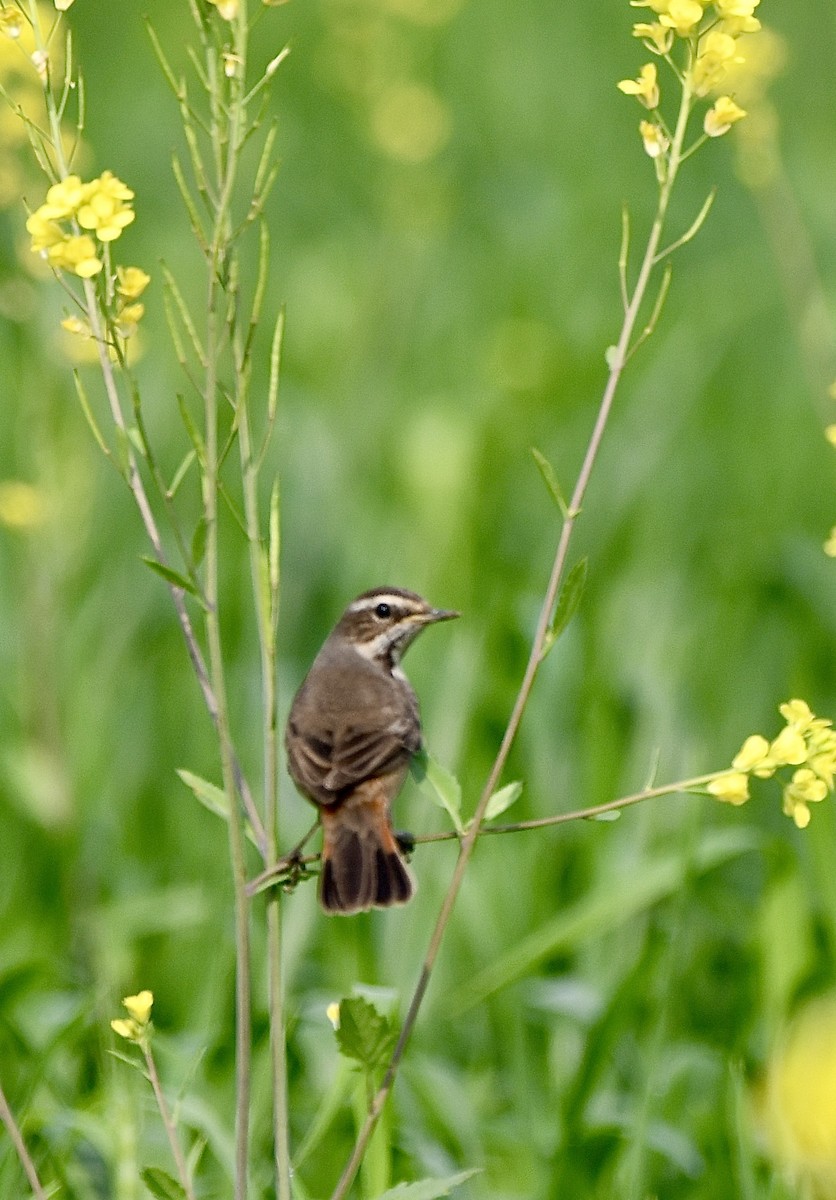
[(63, 199), (721, 116), (683, 16), (732, 787), (718, 52), (332, 1012), (655, 139), (806, 788), (789, 748), (228, 9), (753, 757), (131, 282), (797, 713), (11, 22), (106, 207), (735, 8), (128, 318), (830, 434), (76, 254), (645, 88), (76, 326), (135, 1029), (656, 37), (139, 1006)]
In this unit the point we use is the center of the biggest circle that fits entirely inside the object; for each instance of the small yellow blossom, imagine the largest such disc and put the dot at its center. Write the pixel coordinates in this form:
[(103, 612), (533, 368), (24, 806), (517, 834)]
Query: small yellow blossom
[(735, 8), (753, 757), (131, 282), (655, 36), (231, 63), (645, 88), (683, 16), (789, 748), (332, 1012), (228, 9), (40, 61), (721, 116), (797, 713), (106, 207), (731, 787), (806, 788), (76, 326), (135, 1029), (76, 254), (830, 434), (718, 52), (654, 138), (11, 22), (128, 318), (63, 199)]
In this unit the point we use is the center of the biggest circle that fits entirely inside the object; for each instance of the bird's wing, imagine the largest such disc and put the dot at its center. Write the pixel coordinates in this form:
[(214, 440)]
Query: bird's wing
[(328, 760)]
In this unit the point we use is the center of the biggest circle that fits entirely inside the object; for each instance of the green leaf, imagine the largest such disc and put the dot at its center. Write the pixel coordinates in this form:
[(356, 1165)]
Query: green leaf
[(550, 479), (503, 799), (170, 575), (199, 542), (567, 602), (439, 784), (162, 1185), (364, 1035), (427, 1189), (213, 798)]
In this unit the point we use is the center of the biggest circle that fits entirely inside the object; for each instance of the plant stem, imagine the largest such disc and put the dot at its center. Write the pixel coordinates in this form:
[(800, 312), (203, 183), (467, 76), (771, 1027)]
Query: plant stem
[(165, 1113), (16, 1137), (617, 361), (229, 139)]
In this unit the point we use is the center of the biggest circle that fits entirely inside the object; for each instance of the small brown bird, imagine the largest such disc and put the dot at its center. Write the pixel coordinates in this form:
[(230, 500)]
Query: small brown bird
[(353, 727)]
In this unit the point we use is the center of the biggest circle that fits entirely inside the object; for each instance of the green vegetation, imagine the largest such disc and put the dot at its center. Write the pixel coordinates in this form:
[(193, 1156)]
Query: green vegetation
[(445, 234)]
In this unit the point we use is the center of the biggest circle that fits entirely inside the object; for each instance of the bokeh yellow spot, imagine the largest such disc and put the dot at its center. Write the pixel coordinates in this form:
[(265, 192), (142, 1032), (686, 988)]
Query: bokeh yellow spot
[(22, 506), (410, 122)]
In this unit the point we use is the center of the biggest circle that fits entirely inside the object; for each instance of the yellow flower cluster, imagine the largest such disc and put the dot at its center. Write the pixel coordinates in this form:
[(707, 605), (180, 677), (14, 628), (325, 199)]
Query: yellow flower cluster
[(131, 282), (807, 743), (711, 29), (136, 1026), (102, 207)]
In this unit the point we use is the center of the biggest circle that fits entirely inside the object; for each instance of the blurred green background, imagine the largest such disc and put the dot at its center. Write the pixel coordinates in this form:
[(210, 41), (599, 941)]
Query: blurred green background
[(445, 233)]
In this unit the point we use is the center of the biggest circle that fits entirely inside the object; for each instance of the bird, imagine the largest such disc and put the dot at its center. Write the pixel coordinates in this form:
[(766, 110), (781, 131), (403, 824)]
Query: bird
[(353, 727)]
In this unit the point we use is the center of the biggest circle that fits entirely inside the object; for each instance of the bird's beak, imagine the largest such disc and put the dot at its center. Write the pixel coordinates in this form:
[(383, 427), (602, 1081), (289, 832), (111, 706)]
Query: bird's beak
[(440, 614)]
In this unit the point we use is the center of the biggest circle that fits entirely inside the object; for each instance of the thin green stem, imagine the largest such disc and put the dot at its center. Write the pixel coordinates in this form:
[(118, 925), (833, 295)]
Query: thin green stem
[(168, 1122), (226, 136), (617, 361), (16, 1138)]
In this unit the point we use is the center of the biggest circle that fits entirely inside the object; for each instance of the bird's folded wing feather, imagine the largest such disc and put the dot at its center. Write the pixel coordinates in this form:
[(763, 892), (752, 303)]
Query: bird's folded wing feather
[(332, 760)]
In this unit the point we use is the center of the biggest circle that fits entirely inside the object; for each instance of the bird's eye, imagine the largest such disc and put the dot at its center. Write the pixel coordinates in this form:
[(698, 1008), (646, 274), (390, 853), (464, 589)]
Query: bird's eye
[(383, 611)]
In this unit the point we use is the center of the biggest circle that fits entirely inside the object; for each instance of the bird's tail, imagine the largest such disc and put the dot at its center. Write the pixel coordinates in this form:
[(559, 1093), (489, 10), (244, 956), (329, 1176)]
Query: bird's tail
[(362, 866)]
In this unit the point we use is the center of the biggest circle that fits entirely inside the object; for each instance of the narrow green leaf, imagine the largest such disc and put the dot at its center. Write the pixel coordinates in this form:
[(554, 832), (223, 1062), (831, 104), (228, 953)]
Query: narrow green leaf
[(364, 1035), (428, 1189), (212, 798), (439, 784), (161, 1185), (170, 575), (172, 289), (567, 602), (180, 474), (550, 479), (199, 542), (123, 450), (88, 414), (502, 799), (191, 429)]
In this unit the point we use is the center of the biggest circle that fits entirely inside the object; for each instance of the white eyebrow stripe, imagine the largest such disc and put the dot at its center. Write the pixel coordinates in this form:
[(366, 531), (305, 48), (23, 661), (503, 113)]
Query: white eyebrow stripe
[(391, 598)]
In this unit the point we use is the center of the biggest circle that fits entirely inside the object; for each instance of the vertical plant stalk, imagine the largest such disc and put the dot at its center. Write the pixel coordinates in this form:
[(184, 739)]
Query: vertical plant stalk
[(617, 361), (227, 136), (264, 572), (16, 1138), (168, 1122)]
